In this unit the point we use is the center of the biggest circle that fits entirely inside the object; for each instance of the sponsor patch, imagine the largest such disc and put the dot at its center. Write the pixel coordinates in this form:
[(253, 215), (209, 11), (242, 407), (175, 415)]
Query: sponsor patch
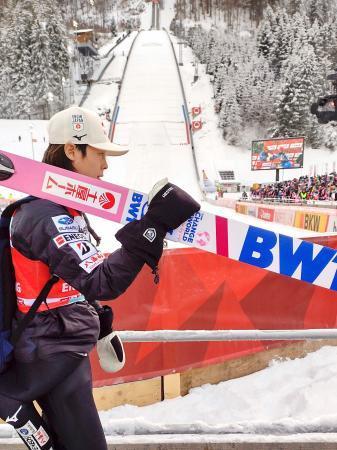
[(65, 224), (84, 249), (31, 442), (81, 223), (14, 417), (150, 234), (27, 430), (91, 263), (77, 122), (41, 436), (62, 239)]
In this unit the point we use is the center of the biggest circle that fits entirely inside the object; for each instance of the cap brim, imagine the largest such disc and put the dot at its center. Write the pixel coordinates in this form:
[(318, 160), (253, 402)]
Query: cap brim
[(111, 149)]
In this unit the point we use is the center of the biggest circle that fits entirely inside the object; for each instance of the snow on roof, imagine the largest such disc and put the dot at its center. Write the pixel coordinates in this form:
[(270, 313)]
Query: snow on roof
[(83, 31)]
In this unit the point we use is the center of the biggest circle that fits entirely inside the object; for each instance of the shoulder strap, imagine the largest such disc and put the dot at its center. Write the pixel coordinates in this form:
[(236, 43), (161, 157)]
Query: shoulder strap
[(8, 213), (9, 210), (35, 306)]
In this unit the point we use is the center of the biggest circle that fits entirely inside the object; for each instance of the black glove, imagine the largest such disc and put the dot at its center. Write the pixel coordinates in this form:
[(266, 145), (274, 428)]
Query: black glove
[(106, 316), (171, 207), (168, 209)]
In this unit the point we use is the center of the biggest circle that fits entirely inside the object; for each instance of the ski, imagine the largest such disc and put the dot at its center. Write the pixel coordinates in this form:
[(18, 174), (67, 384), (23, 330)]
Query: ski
[(237, 240)]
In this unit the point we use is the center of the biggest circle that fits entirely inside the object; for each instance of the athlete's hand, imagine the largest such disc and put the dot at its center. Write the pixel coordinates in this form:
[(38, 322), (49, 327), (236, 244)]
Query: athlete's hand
[(105, 315), (111, 353), (169, 207)]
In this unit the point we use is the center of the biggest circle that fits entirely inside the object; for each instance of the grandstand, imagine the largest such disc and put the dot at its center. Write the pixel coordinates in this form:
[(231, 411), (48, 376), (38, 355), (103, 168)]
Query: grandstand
[(318, 187)]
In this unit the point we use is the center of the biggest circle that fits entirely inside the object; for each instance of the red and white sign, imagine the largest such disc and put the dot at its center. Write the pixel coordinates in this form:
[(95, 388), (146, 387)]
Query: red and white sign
[(81, 192), (196, 125), (266, 214), (196, 110)]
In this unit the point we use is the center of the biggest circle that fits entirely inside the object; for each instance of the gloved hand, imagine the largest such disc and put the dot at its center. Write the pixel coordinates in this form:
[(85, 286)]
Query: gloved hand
[(105, 315), (111, 353), (156, 188), (169, 207), (109, 346)]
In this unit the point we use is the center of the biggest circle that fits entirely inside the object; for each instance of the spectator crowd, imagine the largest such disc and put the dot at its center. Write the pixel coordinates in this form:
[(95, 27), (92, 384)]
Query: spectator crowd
[(318, 187)]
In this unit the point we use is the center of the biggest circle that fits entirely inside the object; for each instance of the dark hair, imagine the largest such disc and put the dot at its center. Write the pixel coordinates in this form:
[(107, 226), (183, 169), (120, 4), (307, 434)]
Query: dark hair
[(55, 156)]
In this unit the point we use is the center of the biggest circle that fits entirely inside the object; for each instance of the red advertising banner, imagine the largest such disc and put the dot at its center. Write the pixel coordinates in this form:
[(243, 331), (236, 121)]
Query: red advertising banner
[(200, 290), (274, 154)]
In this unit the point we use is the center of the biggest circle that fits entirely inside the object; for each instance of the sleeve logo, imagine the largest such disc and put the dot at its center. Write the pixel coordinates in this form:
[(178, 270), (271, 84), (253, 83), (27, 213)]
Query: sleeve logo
[(83, 249), (150, 234), (91, 263), (65, 224)]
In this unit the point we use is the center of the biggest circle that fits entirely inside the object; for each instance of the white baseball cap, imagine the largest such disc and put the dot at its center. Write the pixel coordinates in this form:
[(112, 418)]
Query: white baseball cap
[(77, 125)]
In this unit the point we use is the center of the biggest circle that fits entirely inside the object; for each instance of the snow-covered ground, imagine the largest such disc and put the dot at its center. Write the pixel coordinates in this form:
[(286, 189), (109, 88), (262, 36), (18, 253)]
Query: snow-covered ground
[(287, 401), (288, 397)]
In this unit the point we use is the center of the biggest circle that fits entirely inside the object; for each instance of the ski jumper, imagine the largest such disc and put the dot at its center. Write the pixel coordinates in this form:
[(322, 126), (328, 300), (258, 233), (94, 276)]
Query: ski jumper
[(51, 358)]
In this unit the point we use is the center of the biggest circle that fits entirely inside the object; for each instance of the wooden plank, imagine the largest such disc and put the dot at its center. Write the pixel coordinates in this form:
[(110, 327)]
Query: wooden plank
[(171, 386), (140, 393)]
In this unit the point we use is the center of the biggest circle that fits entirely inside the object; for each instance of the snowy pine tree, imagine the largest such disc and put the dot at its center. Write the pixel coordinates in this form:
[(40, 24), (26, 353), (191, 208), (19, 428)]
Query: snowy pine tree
[(35, 58), (317, 10), (328, 135), (58, 46), (298, 90), (230, 118), (18, 44), (266, 33)]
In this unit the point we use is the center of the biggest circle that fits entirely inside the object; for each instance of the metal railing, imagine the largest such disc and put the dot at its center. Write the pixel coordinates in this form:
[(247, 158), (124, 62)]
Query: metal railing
[(227, 335)]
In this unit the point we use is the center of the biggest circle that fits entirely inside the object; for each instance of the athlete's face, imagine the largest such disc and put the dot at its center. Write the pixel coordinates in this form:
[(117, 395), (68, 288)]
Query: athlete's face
[(92, 164)]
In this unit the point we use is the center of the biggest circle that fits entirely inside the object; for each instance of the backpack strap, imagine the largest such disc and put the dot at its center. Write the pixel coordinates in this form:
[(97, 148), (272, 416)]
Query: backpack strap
[(16, 334), (9, 210)]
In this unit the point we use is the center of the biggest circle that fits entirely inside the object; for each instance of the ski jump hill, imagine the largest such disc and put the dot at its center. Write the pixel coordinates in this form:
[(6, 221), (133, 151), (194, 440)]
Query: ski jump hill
[(198, 290), (150, 117)]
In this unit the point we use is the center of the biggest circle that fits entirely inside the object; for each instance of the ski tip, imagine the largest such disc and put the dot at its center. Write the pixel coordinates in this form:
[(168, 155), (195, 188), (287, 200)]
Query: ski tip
[(7, 168)]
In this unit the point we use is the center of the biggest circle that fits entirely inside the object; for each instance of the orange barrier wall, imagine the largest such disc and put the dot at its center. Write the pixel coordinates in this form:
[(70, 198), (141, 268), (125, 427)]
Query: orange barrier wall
[(200, 290)]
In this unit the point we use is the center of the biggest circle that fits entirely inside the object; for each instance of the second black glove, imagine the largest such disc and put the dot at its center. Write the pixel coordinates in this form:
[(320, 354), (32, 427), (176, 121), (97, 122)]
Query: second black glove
[(169, 208)]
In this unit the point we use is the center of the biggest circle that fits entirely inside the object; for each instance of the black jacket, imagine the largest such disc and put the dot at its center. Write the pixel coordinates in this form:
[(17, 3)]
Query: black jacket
[(38, 231)]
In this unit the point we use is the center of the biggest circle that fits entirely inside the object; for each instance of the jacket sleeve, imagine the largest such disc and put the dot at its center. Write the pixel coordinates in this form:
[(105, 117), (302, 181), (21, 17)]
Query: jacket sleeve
[(46, 232)]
